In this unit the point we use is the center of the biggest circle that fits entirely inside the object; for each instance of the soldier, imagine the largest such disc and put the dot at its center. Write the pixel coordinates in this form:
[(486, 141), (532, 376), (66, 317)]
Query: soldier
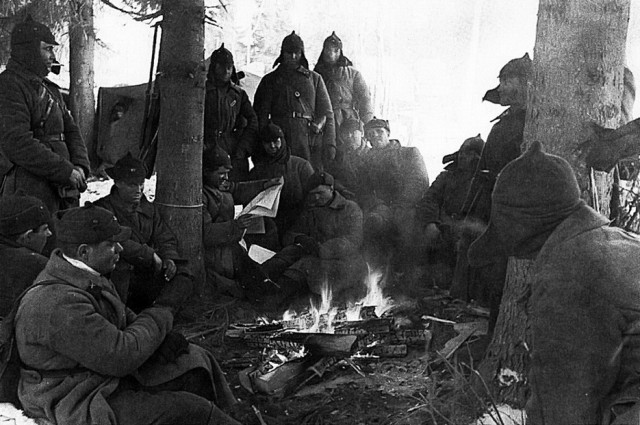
[(394, 179), (296, 99), (583, 300), (347, 89), (149, 259), (229, 120), (24, 230), (334, 225), (347, 167), (87, 359), (274, 159), (41, 149)]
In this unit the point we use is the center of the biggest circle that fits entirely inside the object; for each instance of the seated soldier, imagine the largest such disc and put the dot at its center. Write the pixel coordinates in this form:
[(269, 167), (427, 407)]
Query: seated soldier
[(150, 257), (582, 293), (24, 231), (227, 263), (346, 168), (394, 178), (333, 226), (88, 359), (273, 159), (446, 231)]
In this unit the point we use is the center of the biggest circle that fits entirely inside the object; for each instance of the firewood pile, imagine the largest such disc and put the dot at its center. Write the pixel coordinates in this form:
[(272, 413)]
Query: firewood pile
[(299, 350)]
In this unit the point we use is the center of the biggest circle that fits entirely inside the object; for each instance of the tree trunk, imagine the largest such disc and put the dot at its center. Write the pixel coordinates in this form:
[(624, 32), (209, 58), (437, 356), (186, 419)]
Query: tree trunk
[(578, 77), (179, 161), (81, 52)]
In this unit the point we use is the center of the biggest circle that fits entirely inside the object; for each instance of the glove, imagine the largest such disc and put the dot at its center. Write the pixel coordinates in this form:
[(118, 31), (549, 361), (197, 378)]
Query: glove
[(244, 221), (174, 345), (308, 244)]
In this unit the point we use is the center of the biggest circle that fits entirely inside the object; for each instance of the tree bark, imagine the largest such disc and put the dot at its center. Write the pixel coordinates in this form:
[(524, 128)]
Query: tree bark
[(181, 77), (578, 77), (81, 53)]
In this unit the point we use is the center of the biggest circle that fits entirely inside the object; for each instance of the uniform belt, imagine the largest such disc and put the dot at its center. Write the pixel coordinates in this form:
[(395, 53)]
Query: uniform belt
[(301, 115), (47, 138)]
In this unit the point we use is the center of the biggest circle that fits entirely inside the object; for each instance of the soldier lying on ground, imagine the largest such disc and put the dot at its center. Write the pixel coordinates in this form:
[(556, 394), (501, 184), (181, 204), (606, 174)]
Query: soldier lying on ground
[(296, 99), (149, 259), (584, 299), (87, 359), (394, 178)]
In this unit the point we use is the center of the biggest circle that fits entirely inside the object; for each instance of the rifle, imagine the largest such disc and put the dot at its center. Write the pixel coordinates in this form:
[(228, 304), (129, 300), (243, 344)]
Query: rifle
[(151, 116)]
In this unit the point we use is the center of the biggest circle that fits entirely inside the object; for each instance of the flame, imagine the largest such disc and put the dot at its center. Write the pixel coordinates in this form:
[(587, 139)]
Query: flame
[(322, 316)]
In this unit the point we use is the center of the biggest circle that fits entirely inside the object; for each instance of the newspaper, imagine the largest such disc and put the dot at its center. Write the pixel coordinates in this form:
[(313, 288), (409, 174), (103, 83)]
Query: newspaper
[(266, 203)]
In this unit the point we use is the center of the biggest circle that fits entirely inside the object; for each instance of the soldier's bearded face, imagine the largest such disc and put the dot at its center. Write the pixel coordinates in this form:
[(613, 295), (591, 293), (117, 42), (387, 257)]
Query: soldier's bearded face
[(331, 54), (353, 139), (47, 55)]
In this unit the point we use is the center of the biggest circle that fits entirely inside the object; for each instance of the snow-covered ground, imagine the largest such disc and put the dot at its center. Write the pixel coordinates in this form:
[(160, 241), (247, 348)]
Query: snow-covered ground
[(98, 188)]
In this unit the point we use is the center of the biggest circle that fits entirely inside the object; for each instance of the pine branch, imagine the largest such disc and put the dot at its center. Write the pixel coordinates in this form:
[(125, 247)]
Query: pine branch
[(138, 16)]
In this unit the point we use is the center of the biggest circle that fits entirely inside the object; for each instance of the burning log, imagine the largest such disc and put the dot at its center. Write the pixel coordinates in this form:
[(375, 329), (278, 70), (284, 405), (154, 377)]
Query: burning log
[(321, 344), (360, 327), (389, 350)]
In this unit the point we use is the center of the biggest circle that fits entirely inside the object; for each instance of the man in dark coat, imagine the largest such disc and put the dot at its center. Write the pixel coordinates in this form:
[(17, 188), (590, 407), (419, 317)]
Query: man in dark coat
[(335, 225), (350, 97), (41, 149), (447, 233), (273, 159), (296, 99), (87, 359), (347, 167), (584, 302), (229, 120), (227, 263), (24, 230), (394, 179), (149, 259)]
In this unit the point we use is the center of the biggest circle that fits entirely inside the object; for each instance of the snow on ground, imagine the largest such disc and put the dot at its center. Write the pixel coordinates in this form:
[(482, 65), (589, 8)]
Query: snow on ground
[(97, 189), (506, 416)]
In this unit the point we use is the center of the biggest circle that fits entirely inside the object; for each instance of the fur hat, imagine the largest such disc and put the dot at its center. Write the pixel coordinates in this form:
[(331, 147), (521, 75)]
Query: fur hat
[(19, 213), (128, 169), (89, 224)]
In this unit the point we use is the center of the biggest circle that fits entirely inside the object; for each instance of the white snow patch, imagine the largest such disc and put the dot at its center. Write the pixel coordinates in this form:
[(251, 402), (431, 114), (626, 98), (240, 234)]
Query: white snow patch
[(10, 415), (100, 188), (508, 415)]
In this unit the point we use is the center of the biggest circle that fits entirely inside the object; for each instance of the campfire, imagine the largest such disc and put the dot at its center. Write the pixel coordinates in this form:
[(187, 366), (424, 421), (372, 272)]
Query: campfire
[(303, 346)]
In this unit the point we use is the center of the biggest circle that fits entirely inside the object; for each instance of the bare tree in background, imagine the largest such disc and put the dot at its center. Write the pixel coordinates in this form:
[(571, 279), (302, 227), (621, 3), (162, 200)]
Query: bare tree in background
[(578, 77)]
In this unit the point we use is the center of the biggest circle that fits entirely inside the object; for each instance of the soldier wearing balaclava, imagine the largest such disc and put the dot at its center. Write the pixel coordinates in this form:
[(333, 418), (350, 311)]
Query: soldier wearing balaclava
[(349, 93), (41, 150), (296, 99), (229, 120)]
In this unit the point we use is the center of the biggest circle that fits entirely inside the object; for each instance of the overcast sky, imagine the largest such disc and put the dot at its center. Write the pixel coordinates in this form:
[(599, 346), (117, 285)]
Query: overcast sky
[(444, 55)]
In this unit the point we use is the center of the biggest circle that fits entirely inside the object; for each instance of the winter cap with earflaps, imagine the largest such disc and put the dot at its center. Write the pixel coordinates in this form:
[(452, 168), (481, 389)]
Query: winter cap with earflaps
[(128, 169), (21, 212), (89, 225), (215, 158), (317, 179), (475, 144), (520, 67), (25, 46), (377, 123), (291, 44), (533, 194)]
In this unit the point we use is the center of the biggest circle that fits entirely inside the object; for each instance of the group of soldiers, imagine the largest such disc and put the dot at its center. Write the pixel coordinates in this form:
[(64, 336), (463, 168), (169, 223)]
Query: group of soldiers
[(87, 332)]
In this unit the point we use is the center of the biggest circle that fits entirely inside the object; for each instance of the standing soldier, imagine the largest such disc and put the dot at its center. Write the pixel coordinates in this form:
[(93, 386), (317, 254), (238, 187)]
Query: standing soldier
[(296, 99), (229, 120), (347, 89), (41, 150)]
